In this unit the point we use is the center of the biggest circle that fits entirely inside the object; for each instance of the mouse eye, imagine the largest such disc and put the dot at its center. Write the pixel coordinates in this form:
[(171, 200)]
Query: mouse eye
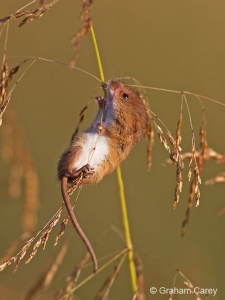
[(125, 96)]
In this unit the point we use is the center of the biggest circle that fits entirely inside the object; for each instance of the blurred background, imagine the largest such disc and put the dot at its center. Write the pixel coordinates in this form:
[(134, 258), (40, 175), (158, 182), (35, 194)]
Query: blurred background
[(176, 45)]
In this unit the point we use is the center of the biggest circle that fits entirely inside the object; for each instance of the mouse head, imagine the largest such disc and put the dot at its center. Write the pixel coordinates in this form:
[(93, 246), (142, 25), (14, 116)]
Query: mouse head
[(128, 108)]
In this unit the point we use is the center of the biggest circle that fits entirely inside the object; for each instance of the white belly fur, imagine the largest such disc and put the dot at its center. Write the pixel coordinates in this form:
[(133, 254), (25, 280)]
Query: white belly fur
[(95, 148)]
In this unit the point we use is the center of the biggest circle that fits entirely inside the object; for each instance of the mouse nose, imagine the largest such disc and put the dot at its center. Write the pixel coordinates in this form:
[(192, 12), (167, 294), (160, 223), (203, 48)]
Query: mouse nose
[(104, 86)]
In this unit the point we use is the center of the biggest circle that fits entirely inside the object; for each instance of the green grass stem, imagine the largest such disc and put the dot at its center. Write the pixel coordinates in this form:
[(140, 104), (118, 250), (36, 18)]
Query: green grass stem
[(121, 189)]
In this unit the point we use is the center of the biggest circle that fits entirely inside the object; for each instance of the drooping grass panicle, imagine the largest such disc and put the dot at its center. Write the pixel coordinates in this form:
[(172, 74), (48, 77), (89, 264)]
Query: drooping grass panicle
[(219, 178), (189, 206), (209, 154), (85, 29), (67, 218), (205, 153), (34, 251), (103, 292), (89, 277), (193, 160), (178, 158), (71, 280), (14, 246), (179, 125), (6, 77), (44, 232), (29, 15), (203, 144), (62, 229), (20, 255), (149, 134), (140, 294), (171, 144), (43, 283), (187, 283), (81, 120)]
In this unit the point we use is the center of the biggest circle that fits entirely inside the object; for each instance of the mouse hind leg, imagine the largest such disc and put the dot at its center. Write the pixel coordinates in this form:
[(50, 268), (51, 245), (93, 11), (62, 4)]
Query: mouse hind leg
[(86, 171)]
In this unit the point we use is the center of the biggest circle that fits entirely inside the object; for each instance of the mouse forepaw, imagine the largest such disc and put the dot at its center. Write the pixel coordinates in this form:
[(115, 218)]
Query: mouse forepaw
[(87, 170), (101, 128), (101, 101)]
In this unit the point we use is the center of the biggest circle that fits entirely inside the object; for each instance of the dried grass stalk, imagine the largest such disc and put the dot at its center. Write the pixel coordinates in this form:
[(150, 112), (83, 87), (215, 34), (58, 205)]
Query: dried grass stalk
[(18, 257), (103, 293), (45, 232), (187, 283), (42, 240), (194, 192), (48, 230), (4, 74), (30, 15), (219, 178), (179, 185), (35, 249), (189, 207), (62, 229), (87, 23), (173, 148), (5, 79), (71, 281), (13, 248), (193, 160), (81, 120), (209, 154), (199, 157), (140, 295), (162, 137), (178, 130), (149, 134), (203, 145), (45, 280)]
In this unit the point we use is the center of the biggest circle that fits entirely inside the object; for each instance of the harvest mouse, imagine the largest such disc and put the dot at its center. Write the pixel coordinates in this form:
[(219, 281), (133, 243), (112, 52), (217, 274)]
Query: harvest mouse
[(97, 151)]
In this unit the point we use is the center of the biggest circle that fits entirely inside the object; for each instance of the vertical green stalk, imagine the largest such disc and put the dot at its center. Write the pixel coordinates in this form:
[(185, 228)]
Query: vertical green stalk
[(97, 55), (130, 254)]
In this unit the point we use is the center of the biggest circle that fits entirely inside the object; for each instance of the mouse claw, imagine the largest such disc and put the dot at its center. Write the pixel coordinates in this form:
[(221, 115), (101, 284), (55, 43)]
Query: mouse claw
[(101, 101)]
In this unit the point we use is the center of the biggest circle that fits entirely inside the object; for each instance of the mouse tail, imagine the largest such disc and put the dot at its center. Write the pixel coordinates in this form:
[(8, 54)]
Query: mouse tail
[(75, 223)]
